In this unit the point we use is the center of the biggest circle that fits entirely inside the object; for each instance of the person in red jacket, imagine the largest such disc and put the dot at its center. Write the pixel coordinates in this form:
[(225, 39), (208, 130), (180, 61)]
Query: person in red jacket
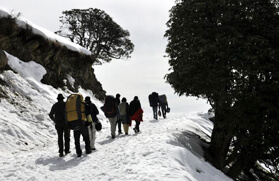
[(135, 112)]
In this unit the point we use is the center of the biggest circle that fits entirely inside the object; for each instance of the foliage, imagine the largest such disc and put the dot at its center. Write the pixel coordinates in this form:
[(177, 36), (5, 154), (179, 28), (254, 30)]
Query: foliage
[(228, 52), (96, 31)]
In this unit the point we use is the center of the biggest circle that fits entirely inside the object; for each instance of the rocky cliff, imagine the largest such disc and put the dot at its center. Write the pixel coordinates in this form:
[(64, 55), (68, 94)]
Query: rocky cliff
[(59, 61)]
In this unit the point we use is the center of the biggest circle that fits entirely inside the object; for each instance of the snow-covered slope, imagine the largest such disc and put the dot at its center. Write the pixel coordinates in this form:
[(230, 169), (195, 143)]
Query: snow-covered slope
[(167, 149)]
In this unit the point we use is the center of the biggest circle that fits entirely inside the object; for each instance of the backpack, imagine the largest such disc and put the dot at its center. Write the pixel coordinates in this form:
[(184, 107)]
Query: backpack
[(153, 99), (163, 99), (75, 111), (110, 107)]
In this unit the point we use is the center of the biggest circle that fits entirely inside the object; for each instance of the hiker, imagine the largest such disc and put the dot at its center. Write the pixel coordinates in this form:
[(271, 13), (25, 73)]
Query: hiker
[(118, 122), (154, 103), (111, 112), (76, 117), (163, 103), (124, 114), (91, 112), (57, 114), (135, 112)]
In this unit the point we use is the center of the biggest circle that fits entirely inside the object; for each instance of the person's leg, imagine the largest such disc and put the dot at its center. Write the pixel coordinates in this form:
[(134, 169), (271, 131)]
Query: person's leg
[(112, 126), (155, 112), (60, 140), (164, 111), (94, 137), (85, 135), (119, 126), (137, 126), (77, 142), (67, 139), (126, 127), (90, 133)]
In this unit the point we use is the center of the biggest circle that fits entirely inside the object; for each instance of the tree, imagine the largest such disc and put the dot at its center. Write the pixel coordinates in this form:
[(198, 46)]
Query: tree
[(227, 51), (96, 31)]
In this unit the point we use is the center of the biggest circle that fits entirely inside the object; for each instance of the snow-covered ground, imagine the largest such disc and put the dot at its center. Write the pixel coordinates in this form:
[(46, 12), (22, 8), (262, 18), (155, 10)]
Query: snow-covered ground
[(165, 149)]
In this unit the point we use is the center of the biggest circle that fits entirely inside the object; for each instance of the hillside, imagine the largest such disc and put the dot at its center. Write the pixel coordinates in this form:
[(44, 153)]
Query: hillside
[(167, 149), (62, 59)]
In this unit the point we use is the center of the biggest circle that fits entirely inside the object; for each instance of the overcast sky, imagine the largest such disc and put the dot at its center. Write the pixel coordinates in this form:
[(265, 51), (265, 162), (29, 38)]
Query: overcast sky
[(146, 21)]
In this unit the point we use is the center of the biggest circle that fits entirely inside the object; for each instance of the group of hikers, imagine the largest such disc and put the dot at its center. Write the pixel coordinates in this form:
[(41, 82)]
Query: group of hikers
[(122, 112), (158, 102), (81, 116), (85, 123)]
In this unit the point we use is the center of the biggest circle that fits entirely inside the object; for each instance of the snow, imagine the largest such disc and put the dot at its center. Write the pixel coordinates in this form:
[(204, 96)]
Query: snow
[(165, 149)]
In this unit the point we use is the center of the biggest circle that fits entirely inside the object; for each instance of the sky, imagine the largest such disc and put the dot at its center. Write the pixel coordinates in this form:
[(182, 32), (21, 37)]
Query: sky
[(165, 149), (141, 74)]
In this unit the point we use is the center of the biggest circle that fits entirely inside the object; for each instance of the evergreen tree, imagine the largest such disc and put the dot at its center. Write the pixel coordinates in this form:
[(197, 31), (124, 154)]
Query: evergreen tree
[(227, 51), (96, 31)]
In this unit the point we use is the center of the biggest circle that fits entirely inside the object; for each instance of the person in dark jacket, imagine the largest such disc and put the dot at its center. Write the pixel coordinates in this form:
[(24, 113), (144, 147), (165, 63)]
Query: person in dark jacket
[(57, 114), (91, 109), (118, 122), (154, 103), (135, 112), (163, 103)]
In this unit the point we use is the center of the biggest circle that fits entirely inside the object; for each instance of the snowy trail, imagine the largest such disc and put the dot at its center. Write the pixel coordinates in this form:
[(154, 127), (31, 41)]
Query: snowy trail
[(153, 154)]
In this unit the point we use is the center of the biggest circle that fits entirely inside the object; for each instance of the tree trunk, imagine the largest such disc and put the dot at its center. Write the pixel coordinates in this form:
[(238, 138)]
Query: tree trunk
[(236, 169), (241, 164), (220, 140), (219, 147)]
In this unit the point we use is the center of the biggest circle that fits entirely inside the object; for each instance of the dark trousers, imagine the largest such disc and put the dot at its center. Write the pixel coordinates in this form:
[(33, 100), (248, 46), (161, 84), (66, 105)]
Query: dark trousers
[(155, 112), (84, 132), (118, 122), (66, 132), (164, 110), (137, 125)]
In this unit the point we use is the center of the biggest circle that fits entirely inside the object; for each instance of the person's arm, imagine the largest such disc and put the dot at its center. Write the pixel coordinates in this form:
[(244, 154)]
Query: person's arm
[(51, 114)]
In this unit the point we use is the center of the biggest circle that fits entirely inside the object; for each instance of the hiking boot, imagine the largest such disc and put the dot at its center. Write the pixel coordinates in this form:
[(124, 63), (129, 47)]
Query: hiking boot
[(112, 136), (126, 133), (136, 130), (88, 152), (120, 132), (61, 155), (94, 148), (79, 155), (67, 152)]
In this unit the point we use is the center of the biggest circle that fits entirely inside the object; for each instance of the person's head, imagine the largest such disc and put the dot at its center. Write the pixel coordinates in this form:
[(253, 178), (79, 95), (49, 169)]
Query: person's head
[(87, 99), (60, 97), (117, 95), (124, 99), (136, 98)]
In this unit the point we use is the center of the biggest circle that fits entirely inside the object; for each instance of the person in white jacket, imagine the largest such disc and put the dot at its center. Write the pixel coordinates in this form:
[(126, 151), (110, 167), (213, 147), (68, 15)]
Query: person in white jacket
[(124, 113)]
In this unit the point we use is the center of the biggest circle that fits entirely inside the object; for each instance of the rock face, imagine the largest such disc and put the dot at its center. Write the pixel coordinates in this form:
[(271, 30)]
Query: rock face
[(3, 60), (59, 61)]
